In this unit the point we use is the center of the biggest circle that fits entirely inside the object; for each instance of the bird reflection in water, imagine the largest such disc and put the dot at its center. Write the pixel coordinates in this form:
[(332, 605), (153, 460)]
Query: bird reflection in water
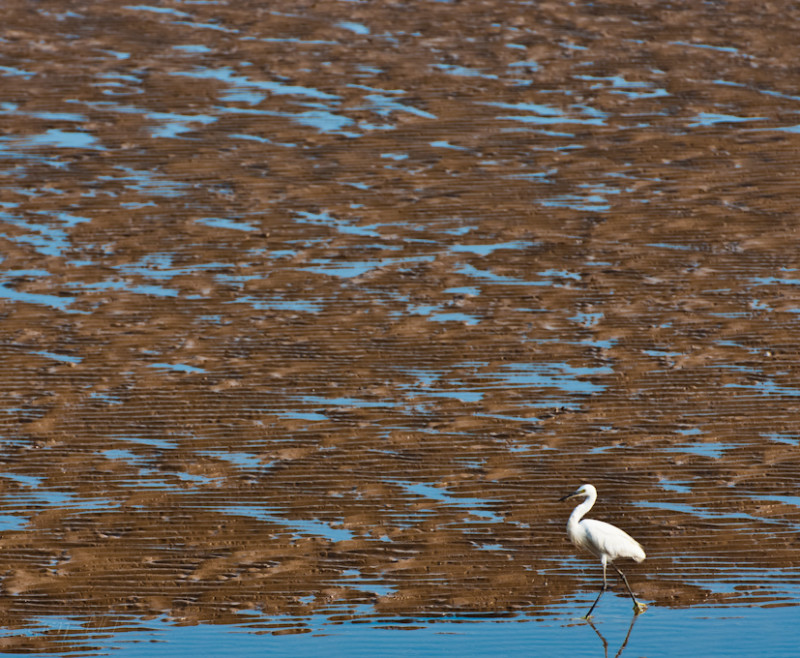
[(605, 642)]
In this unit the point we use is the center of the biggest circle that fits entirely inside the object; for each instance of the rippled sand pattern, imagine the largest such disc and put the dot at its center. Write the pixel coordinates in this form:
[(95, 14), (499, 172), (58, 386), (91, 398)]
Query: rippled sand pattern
[(316, 308)]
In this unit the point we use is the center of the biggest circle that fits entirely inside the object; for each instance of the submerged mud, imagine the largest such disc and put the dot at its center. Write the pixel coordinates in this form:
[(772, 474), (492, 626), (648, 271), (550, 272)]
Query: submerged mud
[(317, 308)]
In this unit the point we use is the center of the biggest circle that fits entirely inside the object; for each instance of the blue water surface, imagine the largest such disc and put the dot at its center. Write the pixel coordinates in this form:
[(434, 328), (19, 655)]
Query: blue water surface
[(707, 632)]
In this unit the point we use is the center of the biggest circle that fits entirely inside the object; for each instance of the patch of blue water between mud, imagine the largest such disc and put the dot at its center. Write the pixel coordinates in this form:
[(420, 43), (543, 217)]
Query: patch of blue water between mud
[(709, 632)]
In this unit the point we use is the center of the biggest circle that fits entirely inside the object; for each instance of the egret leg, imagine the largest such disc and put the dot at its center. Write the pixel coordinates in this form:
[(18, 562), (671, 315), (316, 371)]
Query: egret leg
[(602, 589), (637, 607)]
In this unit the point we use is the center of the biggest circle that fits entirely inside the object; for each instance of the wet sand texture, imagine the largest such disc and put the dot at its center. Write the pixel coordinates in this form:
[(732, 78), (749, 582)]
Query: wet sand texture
[(317, 308)]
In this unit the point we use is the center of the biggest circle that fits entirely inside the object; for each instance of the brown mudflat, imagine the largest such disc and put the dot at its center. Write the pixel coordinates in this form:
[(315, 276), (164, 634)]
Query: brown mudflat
[(317, 308)]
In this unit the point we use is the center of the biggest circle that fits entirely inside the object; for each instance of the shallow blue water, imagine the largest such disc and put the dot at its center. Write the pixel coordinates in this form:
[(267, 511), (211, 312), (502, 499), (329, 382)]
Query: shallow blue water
[(708, 632)]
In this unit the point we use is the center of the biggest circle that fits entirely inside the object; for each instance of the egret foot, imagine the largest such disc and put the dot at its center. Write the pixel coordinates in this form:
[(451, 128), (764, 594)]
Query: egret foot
[(639, 608)]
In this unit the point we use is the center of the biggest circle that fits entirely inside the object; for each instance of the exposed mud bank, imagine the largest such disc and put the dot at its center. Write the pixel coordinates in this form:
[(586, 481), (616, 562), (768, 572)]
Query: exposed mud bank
[(318, 308)]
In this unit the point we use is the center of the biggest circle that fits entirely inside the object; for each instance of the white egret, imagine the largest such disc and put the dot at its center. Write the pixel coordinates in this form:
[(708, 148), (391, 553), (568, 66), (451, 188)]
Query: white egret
[(602, 540)]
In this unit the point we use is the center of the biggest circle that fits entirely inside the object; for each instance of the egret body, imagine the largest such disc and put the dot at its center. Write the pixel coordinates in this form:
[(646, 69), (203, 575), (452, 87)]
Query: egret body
[(602, 540)]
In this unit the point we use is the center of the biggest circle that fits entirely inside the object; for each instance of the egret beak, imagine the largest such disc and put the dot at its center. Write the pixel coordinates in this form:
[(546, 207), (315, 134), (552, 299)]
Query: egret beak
[(571, 495)]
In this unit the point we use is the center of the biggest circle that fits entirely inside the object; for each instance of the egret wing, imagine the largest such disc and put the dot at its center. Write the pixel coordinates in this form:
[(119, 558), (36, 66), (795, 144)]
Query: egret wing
[(602, 538)]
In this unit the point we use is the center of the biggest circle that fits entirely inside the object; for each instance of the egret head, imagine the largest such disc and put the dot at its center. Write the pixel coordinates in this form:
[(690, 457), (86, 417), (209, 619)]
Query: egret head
[(583, 490)]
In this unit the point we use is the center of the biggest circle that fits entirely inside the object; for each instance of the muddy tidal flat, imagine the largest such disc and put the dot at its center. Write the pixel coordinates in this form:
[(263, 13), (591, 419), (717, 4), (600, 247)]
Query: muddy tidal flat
[(311, 311)]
